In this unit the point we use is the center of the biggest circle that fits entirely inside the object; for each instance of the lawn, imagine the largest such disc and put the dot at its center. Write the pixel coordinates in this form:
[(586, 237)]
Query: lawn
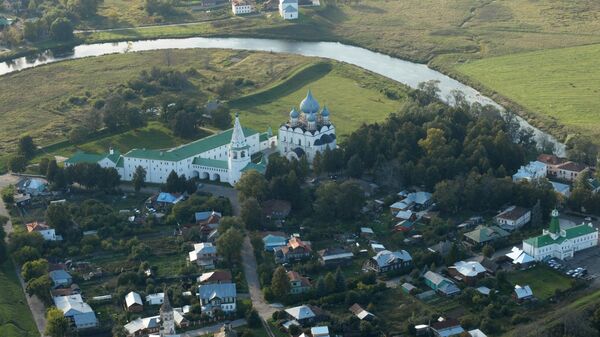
[(542, 280), (15, 317), (543, 82), (353, 97)]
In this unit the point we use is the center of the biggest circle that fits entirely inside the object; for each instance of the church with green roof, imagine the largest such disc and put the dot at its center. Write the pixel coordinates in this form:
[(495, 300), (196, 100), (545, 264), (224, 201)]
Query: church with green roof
[(221, 157), (556, 242)]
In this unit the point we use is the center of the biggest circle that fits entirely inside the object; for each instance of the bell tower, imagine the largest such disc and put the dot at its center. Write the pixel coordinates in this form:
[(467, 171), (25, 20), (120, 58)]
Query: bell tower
[(239, 152)]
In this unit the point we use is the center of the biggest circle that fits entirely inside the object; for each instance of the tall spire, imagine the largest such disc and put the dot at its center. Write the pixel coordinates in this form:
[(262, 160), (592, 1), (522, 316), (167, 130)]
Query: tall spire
[(167, 320), (554, 223), (166, 305), (238, 140)]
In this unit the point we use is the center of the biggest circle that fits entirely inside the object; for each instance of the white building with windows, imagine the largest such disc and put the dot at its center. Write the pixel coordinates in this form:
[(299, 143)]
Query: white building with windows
[(307, 132), (288, 9), (221, 157), (561, 243), (241, 7)]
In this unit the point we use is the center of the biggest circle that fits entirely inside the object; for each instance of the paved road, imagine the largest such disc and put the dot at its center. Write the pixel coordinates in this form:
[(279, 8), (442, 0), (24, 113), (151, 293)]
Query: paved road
[(213, 328), (38, 310), (249, 263)]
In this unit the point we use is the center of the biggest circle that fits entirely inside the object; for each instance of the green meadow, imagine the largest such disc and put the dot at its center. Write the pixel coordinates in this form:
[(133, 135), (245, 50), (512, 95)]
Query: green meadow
[(544, 282), (561, 87)]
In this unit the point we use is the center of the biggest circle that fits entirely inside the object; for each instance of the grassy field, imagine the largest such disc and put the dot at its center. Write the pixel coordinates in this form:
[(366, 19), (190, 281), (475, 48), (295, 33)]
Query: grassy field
[(15, 317), (542, 280), (36, 101), (564, 93), (351, 95)]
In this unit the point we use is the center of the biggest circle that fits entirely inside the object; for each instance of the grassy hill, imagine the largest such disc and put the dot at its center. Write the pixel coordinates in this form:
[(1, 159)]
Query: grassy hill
[(561, 85)]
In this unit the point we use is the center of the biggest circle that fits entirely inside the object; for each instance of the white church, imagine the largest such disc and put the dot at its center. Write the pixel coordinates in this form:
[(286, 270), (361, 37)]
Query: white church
[(225, 156), (288, 9), (307, 132)]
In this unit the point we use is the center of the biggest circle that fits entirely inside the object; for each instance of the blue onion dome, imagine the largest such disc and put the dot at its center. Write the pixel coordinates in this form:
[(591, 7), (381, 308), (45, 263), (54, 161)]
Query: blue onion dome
[(294, 113), (309, 105), (325, 112), (312, 117)]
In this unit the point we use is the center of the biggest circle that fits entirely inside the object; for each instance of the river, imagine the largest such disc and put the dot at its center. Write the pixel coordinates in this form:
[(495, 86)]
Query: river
[(408, 73)]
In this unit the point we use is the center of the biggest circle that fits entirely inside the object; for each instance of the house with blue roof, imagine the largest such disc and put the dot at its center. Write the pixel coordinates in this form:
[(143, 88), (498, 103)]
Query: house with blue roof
[(60, 278), (274, 241), (79, 313)]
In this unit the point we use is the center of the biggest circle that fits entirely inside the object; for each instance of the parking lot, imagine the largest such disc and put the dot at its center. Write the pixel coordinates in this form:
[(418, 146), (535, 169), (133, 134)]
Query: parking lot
[(588, 259)]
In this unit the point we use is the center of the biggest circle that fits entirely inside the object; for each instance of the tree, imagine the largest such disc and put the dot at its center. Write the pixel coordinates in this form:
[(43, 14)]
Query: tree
[(8, 194), (229, 245), (51, 170), (43, 166), (221, 117), (252, 185), (173, 184), (57, 325), (78, 134), (17, 163), (34, 269), (340, 281), (253, 318), (139, 178), (488, 251), (26, 147), (40, 287), (61, 29), (280, 283), (330, 283), (184, 124), (355, 166), (537, 217), (58, 217), (251, 213)]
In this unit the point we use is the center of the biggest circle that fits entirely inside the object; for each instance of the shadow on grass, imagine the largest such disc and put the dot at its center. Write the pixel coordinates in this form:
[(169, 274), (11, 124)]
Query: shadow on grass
[(287, 86)]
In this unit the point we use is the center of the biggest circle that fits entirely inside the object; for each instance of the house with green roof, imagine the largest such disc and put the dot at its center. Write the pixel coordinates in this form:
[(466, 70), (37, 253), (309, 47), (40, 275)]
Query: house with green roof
[(556, 242), (484, 234), (220, 157)]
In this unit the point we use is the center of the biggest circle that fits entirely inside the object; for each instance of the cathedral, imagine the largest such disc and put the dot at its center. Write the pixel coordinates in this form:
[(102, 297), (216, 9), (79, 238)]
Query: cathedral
[(225, 156), (307, 132)]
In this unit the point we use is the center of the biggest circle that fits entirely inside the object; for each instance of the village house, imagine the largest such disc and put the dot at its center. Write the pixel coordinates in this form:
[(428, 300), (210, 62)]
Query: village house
[(386, 261), (442, 248), (217, 276), (305, 314), (491, 266), (217, 296), (522, 293), (446, 327), (133, 302), (519, 258), (60, 278), (404, 226), (513, 217), (361, 313), (468, 272), (483, 234), (532, 171), (241, 7), (73, 289), (295, 250), (207, 218), (298, 283), (79, 313), (155, 299), (274, 240), (562, 168), (412, 201), (332, 257), (32, 186), (49, 234), (560, 243), (318, 331), (204, 255), (274, 209), (440, 284)]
